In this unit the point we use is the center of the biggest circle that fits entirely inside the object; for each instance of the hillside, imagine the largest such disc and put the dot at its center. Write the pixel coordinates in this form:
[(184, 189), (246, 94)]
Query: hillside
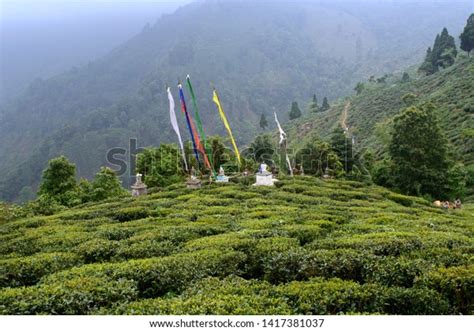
[(304, 247), (450, 90), (261, 56)]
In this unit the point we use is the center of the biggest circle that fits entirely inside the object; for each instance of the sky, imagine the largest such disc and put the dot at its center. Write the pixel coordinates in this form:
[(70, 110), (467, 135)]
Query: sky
[(39, 10)]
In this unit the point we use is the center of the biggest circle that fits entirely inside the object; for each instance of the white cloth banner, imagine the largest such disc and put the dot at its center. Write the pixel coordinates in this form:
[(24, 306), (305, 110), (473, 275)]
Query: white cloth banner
[(174, 123), (283, 141)]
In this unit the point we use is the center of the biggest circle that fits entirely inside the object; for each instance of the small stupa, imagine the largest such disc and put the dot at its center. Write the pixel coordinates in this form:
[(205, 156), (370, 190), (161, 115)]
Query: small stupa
[(193, 182), (221, 177), (326, 174), (264, 177), (139, 188)]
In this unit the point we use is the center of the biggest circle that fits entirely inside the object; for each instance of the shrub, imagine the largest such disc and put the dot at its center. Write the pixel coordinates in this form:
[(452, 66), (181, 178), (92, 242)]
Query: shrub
[(130, 214), (395, 271), (97, 250), (279, 258), (29, 270), (341, 263), (82, 295), (401, 199), (318, 297), (157, 276), (456, 284)]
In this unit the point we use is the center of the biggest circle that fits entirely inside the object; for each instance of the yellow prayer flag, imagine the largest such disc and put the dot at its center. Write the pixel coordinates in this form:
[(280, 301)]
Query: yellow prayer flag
[(215, 98)]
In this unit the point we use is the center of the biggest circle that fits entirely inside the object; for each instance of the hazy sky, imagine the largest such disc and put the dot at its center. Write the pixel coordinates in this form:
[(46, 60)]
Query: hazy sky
[(27, 10)]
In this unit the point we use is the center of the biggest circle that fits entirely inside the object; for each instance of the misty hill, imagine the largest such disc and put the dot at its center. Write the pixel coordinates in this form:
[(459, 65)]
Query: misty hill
[(45, 39), (368, 114), (261, 57)]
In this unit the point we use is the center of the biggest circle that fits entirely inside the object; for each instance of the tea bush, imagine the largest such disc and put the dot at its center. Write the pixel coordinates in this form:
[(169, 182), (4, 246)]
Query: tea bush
[(307, 246), (29, 270)]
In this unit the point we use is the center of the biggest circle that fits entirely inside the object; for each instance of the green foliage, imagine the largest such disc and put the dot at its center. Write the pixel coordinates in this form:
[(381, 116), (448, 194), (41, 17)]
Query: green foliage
[(457, 181), (82, 295), (263, 122), (59, 180), (27, 271), (106, 185), (359, 87), (313, 106), (325, 106), (405, 77), (160, 166), (419, 152), (442, 55), (295, 111), (409, 99), (262, 149), (456, 284), (467, 36), (342, 145), (307, 246), (316, 157)]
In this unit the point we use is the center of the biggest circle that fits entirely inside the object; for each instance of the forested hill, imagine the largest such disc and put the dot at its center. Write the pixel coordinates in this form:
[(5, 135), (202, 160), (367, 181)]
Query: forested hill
[(261, 56), (368, 114)]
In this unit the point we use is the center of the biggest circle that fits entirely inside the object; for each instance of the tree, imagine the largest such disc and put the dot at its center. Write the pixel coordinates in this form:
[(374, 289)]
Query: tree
[(313, 105), (342, 145), (427, 66), (160, 166), (59, 178), (106, 185), (405, 77), (467, 36), (446, 53), (325, 105), (263, 122), (443, 53), (262, 149), (316, 156), (419, 152), (295, 111), (359, 88)]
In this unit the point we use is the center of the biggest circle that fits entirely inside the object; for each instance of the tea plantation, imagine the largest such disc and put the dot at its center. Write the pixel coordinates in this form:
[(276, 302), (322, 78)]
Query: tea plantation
[(306, 246)]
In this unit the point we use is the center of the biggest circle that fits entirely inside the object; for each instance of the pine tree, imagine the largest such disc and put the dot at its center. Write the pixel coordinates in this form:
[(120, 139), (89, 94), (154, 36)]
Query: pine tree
[(443, 54), (325, 105), (263, 122), (313, 105), (447, 52), (295, 111), (359, 88), (427, 67), (467, 36), (405, 77)]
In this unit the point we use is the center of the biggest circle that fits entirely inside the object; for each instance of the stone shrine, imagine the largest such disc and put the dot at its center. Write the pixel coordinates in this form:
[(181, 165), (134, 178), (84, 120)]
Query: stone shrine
[(264, 177), (139, 188), (193, 182), (221, 177)]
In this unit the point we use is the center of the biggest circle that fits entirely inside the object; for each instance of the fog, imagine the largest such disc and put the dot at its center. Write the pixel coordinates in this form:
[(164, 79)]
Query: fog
[(40, 39)]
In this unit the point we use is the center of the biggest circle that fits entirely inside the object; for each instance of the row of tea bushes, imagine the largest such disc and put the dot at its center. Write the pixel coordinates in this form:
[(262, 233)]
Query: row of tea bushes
[(305, 235), (236, 296)]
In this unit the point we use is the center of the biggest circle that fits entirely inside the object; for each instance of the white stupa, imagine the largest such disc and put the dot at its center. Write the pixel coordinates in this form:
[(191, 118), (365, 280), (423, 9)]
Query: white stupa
[(264, 177)]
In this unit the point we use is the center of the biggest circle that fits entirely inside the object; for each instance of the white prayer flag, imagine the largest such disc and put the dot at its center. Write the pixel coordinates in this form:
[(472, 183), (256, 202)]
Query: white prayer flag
[(174, 123), (282, 140)]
